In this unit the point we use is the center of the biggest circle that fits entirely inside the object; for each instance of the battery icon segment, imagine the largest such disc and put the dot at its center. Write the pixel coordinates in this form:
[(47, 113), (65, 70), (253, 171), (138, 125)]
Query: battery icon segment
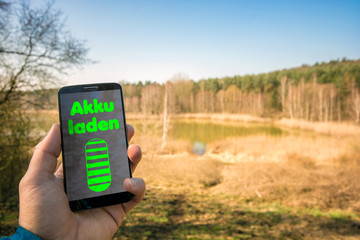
[(97, 165)]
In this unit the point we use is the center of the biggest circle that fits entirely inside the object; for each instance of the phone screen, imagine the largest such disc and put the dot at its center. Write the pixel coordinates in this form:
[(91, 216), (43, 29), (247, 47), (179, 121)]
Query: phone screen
[(94, 143)]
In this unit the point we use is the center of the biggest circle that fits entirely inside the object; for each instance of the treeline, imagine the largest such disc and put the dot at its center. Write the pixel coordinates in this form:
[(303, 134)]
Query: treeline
[(322, 92)]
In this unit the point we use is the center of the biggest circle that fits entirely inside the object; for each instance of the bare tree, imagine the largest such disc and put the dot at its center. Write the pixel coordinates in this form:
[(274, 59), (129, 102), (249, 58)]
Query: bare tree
[(220, 101), (183, 92), (355, 100), (290, 100), (283, 90), (166, 117), (356, 105), (35, 48), (151, 99), (233, 99)]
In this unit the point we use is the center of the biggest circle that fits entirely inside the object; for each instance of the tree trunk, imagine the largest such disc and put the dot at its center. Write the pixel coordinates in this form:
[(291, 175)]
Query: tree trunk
[(283, 82), (165, 120)]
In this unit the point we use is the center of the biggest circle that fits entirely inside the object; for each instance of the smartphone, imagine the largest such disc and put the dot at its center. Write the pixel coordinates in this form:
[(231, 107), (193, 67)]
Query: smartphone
[(94, 145)]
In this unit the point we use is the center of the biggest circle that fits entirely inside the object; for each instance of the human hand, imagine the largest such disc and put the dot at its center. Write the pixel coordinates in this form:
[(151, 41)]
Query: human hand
[(44, 206)]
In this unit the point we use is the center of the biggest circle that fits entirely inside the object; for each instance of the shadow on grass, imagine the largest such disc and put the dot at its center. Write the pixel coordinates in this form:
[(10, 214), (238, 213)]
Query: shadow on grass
[(7, 229), (178, 216)]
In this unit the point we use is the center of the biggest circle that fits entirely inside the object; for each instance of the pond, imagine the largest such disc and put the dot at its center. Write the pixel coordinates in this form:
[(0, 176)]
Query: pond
[(207, 131), (201, 132)]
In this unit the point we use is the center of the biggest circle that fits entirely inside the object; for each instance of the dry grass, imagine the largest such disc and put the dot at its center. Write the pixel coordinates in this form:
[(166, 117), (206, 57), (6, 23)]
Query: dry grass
[(306, 171), (299, 183), (223, 117), (330, 128), (302, 185), (207, 116), (262, 148), (182, 172), (324, 187), (351, 157)]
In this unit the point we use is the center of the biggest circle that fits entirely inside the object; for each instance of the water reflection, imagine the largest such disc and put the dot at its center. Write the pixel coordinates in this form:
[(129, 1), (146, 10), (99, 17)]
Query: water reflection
[(206, 132), (199, 148), (201, 133)]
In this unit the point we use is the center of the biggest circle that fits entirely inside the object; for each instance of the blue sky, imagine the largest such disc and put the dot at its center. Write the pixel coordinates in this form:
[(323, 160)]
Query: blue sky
[(154, 40)]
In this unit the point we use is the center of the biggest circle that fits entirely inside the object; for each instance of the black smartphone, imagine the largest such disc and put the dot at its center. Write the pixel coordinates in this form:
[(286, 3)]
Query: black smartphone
[(94, 145)]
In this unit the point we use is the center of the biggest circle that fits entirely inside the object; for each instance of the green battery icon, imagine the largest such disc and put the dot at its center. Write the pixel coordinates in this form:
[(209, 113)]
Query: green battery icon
[(97, 165)]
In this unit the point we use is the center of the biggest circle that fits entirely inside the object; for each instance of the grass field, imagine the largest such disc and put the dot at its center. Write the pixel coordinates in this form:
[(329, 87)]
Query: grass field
[(303, 185), (166, 215), (299, 185)]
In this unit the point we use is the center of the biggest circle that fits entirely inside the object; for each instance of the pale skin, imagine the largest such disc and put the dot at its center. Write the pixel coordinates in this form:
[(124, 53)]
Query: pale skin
[(44, 207)]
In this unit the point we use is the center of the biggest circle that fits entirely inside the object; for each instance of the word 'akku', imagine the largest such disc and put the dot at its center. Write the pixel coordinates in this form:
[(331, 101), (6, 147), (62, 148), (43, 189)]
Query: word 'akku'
[(95, 107), (93, 126)]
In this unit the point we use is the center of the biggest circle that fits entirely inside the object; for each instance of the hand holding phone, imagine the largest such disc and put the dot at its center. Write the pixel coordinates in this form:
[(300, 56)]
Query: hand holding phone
[(44, 206), (94, 144)]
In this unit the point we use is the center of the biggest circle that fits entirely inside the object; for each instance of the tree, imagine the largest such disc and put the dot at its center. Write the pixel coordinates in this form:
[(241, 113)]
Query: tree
[(220, 101), (322, 92), (166, 119), (233, 99), (151, 100), (355, 101), (35, 49), (283, 85), (183, 89)]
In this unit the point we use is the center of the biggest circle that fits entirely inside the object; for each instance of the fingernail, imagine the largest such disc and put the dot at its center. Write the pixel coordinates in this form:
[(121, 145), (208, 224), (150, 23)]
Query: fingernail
[(133, 182), (129, 183)]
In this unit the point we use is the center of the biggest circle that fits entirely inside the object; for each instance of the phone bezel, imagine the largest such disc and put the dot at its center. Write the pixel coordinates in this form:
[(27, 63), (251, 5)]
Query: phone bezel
[(105, 200)]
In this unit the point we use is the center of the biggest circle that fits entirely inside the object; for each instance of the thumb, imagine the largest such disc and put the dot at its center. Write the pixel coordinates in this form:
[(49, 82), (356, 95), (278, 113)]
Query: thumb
[(137, 187), (44, 159)]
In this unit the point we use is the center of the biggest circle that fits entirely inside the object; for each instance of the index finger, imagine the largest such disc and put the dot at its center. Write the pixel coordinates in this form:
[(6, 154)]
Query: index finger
[(130, 131)]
